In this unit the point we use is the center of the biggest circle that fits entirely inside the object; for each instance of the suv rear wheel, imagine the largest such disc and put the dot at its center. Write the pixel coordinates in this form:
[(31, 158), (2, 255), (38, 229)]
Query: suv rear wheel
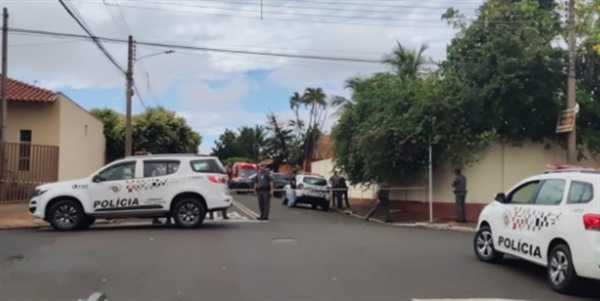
[(66, 215), (560, 271), (188, 213)]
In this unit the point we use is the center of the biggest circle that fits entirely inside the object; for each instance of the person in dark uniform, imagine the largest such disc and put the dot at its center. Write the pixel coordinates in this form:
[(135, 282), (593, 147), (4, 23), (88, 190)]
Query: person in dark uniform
[(460, 194), (263, 186), (334, 182), (344, 191), (383, 201)]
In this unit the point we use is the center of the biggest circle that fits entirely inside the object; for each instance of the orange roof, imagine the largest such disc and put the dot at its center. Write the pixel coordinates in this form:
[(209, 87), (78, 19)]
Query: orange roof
[(20, 91), (323, 149)]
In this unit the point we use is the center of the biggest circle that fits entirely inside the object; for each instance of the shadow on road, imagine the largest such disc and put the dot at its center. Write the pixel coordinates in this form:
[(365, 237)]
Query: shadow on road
[(587, 289), (116, 227)]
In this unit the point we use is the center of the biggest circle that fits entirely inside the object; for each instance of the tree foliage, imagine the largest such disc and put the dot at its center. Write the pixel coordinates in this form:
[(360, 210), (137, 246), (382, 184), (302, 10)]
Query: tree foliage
[(246, 142), (504, 78), (156, 130)]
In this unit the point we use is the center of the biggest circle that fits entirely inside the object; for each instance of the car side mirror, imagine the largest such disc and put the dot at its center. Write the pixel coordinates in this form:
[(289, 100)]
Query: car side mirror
[(97, 179), (500, 197)]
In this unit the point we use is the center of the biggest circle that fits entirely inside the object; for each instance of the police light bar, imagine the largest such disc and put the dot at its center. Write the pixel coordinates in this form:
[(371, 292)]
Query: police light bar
[(569, 166), (142, 153)]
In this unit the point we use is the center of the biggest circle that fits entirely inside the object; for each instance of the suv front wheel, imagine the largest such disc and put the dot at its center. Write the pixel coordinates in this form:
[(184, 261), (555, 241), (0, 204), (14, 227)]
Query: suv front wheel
[(188, 213), (66, 215)]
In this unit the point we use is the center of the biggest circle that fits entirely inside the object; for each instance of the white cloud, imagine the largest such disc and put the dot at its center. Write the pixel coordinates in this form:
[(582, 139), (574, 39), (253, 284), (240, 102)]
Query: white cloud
[(220, 24)]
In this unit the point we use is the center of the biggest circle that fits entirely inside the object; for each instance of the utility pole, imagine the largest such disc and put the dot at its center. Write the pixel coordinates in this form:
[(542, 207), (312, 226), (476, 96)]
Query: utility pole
[(128, 95), (4, 98), (4, 76), (571, 101)]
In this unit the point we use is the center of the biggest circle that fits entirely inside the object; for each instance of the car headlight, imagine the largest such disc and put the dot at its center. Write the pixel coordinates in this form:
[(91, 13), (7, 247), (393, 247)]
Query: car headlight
[(39, 191)]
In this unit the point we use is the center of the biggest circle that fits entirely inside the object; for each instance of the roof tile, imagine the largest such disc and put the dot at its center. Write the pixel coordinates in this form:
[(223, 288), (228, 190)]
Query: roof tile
[(20, 91)]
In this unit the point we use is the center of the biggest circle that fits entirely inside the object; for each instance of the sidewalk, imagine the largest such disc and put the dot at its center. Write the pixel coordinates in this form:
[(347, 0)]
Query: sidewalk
[(16, 216), (408, 219)]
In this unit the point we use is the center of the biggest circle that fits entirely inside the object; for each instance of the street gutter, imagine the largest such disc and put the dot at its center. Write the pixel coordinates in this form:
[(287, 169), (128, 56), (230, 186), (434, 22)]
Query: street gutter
[(434, 226)]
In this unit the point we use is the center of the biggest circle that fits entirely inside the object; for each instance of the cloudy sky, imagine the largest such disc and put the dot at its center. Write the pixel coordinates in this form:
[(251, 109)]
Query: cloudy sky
[(215, 90)]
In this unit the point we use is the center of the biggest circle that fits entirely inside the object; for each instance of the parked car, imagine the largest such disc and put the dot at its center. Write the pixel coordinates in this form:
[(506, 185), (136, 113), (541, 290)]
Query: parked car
[(184, 187), (551, 219), (242, 186), (312, 189)]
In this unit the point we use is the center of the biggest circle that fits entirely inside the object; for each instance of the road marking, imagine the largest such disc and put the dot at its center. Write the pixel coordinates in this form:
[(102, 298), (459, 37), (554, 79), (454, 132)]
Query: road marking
[(469, 299), (232, 216), (245, 209)]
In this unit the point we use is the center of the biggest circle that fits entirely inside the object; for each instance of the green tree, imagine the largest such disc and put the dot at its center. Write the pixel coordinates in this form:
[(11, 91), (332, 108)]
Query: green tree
[(156, 130), (251, 141), (507, 70), (227, 146), (114, 132)]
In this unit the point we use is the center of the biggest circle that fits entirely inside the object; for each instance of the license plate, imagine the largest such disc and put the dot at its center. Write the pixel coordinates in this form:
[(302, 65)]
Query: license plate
[(317, 194)]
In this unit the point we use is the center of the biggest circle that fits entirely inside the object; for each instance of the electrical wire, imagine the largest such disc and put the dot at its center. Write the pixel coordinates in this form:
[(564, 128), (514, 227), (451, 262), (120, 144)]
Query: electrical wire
[(197, 48), (92, 36)]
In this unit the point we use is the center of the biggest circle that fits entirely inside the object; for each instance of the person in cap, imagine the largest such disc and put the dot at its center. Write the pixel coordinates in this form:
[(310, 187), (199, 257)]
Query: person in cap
[(263, 186)]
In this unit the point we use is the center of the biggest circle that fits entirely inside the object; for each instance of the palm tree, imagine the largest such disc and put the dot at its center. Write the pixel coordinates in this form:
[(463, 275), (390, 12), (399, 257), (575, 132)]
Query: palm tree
[(314, 98), (405, 61), (342, 103)]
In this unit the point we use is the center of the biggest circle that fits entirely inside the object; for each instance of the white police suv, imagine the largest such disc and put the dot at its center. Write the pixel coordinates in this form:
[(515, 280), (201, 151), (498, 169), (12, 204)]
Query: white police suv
[(551, 219), (311, 189), (182, 186)]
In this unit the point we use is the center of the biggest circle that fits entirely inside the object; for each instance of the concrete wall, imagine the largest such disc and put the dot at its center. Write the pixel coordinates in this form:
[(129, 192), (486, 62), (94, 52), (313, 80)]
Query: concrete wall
[(82, 142), (41, 118), (498, 169)]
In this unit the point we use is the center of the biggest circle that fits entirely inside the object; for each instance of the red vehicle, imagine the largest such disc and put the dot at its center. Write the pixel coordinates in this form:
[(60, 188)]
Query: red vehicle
[(243, 170)]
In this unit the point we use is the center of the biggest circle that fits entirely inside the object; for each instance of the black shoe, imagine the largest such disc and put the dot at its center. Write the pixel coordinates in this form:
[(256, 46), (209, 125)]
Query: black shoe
[(225, 217), (259, 218)]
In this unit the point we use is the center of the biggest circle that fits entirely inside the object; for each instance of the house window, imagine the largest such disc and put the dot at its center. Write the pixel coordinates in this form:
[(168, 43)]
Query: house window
[(25, 150), (85, 130)]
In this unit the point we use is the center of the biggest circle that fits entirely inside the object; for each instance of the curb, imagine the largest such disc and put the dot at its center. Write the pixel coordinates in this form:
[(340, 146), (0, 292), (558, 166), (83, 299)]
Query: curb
[(46, 225), (412, 225)]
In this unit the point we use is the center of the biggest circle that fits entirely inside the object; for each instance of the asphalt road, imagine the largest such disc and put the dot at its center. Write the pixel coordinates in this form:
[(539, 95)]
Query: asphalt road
[(300, 254)]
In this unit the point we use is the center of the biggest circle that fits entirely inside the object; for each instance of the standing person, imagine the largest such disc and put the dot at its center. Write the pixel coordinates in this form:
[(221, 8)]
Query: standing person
[(334, 182), (344, 191), (460, 194), (290, 192), (263, 186), (383, 201)]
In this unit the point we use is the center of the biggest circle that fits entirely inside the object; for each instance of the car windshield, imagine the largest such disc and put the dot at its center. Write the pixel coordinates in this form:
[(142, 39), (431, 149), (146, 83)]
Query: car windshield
[(315, 181), (246, 173)]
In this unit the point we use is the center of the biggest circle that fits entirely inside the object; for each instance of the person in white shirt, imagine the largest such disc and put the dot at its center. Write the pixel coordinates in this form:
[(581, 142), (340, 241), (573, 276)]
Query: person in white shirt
[(290, 192)]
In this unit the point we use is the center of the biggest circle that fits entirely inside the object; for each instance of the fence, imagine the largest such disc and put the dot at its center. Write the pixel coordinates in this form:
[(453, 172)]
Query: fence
[(23, 167)]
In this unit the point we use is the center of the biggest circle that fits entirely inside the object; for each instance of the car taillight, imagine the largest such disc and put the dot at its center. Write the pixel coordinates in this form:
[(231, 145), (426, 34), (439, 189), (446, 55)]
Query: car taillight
[(300, 186), (591, 221), (216, 179)]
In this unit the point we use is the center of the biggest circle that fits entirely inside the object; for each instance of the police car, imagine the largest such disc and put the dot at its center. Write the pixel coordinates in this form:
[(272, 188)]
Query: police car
[(551, 219), (182, 186), (311, 189)]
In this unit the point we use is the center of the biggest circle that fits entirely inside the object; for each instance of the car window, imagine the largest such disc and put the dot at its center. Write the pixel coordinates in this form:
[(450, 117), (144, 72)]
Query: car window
[(207, 166), (246, 172), (123, 171), (315, 181), (524, 193), (551, 193), (580, 193), (160, 168)]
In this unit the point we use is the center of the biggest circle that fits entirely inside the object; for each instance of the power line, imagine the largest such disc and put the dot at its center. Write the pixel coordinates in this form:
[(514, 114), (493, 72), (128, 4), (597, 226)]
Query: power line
[(92, 36), (197, 48)]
